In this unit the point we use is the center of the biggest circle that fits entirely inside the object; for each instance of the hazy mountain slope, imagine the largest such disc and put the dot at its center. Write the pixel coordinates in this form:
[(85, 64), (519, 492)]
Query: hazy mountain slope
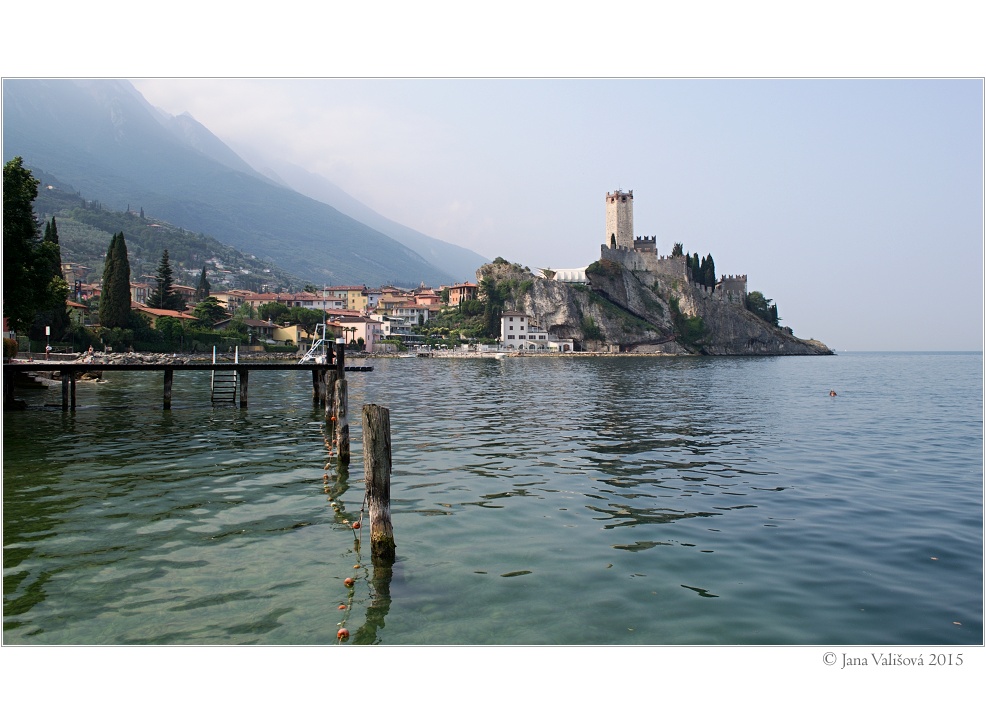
[(102, 136), (456, 260)]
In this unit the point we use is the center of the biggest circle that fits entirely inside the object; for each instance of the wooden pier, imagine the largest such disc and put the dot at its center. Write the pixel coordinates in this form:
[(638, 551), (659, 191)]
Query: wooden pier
[(70, 371)]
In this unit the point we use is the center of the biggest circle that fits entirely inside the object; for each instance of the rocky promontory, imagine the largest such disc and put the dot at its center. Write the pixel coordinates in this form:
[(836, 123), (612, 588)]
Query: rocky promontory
[(637, 310)]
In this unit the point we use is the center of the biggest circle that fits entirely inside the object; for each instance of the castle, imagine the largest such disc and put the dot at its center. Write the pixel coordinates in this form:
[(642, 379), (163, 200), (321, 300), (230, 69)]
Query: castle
[(639, 253)]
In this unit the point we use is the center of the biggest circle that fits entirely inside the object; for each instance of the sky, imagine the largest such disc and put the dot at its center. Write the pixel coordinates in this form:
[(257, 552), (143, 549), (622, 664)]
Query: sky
[(838, 164), (856, 205)]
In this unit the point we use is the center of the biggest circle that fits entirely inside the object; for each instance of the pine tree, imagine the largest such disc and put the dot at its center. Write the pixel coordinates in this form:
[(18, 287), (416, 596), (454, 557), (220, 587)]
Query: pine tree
[(165, 296), (114, 303), (202, 290)]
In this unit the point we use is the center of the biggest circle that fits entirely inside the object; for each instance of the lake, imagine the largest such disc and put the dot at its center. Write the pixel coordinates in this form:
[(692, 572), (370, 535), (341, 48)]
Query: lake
[(536, 501)]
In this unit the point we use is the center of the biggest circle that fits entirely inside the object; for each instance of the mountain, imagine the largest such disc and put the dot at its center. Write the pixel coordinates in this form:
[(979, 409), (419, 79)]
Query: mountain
[(102, 137), (457, 261)]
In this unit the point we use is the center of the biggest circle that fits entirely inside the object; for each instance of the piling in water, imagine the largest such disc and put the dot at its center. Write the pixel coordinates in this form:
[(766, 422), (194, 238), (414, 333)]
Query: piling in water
[(376, 469), (341, 414)]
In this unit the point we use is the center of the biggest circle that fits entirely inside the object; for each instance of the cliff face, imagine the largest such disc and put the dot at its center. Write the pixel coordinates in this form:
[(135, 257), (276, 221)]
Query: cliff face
[(641, 311)]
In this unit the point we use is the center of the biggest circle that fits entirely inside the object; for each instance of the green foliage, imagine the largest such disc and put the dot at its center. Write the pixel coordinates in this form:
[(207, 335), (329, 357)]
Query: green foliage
[(307, 318), (604, 268), (202, 289), (689, 331), (276, 312), (677, 250), (114, 303), (210, 311), (591, 330), (164, 295), (757, 303), (83, 227), (31, 266), (707, 272)]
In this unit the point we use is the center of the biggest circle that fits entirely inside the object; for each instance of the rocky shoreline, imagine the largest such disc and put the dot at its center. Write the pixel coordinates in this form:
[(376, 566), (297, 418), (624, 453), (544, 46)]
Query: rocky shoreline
[(149, 358)]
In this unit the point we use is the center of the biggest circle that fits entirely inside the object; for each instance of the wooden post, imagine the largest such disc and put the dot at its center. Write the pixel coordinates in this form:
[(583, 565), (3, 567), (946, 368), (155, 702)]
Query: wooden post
[(243, 374), (169, 377), (376, 469), (342, 420), (316, 396), (71, 387), (329, 379), (64, 391), (340, 360)]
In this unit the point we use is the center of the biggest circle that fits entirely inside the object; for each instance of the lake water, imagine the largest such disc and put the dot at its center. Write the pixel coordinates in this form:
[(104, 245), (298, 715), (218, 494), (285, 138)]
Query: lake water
[(598, 501)]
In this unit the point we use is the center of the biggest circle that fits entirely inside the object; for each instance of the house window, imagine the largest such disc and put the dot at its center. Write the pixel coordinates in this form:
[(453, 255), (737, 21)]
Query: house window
[(510, 327), (521, 336), (510, 336)]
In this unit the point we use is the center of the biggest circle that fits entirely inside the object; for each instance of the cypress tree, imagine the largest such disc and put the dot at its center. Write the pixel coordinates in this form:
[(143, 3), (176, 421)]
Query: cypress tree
[(114, 304), (54, 313), (710, 272), (202, 290)]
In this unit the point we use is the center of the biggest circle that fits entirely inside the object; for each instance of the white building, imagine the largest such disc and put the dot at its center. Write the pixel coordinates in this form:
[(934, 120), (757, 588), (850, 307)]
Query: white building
[(520, 331)]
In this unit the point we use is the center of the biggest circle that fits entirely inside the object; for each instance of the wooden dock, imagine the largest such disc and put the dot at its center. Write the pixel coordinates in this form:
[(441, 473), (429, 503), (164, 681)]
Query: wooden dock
[(70, 371)]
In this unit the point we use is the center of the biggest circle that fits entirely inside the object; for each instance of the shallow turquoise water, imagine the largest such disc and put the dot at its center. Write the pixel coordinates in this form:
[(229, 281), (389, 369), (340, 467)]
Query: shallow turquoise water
[(535, 501)]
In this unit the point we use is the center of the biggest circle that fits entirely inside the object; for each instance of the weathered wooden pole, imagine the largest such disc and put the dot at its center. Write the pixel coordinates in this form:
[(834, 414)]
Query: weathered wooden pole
[(64, 391), (376, 469), (244, 376), (329, 378), (340, 355), (341, 415), (71, 386), (169, 377)]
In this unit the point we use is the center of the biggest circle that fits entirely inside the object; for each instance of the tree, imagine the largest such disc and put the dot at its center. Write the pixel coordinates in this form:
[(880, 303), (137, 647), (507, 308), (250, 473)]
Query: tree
[(202, 290), (210, 311), (677, 250), (164, 295), (762, 307), (29, 281), (694, 267), (114, 303), (710, 271), (274, 311), (54, 314)]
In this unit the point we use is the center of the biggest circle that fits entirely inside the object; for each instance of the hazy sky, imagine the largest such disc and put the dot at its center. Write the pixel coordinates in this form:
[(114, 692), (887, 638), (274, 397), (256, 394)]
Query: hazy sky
[(857, 205)]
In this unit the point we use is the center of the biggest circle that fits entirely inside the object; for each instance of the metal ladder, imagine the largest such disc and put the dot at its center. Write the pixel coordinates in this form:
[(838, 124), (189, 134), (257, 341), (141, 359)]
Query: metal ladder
[(224, 382)]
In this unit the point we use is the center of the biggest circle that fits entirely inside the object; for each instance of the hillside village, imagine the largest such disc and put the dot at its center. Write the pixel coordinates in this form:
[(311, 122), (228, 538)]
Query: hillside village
[(631, 299), (365, 317)]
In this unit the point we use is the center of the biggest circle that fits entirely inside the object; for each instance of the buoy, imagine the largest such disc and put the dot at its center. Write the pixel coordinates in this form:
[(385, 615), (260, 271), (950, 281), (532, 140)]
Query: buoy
[(356, 525), (349, 582), (343, 633), (356, 566), (342, 606)]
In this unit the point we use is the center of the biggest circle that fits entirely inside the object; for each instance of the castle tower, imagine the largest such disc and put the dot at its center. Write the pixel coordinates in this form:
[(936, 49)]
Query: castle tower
[(619, 220)]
